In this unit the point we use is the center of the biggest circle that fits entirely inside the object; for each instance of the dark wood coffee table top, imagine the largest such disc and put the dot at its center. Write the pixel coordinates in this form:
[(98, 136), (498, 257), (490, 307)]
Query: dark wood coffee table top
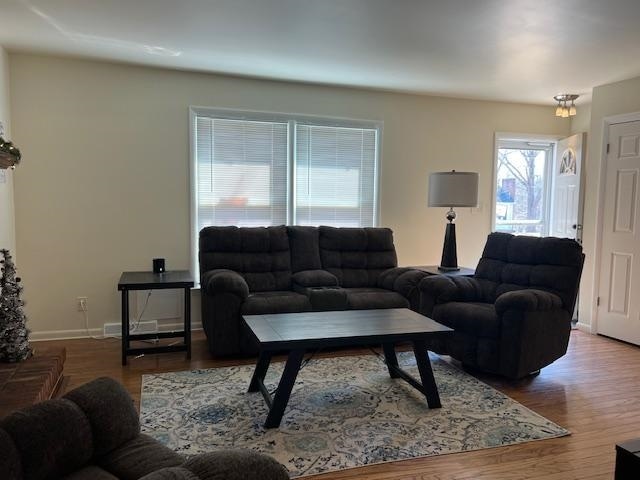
[(337, 328)]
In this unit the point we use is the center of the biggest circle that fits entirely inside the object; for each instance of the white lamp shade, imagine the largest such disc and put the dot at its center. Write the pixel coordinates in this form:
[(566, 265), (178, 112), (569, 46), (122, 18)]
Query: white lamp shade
[(453, 189)]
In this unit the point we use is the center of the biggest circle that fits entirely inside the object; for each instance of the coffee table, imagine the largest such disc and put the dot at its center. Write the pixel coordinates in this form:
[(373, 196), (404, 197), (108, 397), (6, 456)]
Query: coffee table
[(299, 332)]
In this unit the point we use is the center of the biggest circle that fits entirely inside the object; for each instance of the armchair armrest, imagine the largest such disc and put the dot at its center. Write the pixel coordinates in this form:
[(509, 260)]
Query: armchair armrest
[(314, 278), (527, 300), (436, 289), (224, 281)]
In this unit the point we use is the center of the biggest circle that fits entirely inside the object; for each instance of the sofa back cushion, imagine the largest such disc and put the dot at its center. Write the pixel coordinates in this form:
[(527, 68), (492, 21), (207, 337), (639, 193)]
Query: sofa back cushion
[(511, 262), (261, 255), (51, 439), (357, 256), (305, 248)]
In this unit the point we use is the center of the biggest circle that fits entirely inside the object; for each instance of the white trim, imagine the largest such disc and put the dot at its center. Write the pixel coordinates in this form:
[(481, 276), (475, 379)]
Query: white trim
[(193, 194), (597, 254), (44, 335), (585, 327), (501, 137)]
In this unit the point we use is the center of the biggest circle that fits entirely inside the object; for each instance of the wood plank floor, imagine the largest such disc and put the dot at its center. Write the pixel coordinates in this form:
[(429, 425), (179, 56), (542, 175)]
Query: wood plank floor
[(594, 391)]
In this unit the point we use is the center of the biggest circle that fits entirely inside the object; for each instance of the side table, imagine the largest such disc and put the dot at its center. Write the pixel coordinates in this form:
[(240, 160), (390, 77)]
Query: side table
[(433, 270), (155, 281)]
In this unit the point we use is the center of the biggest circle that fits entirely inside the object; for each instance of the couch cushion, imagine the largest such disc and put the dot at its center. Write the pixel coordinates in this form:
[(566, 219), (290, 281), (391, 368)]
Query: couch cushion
[(367, 298), (49, 447), (514, 262), (110, 410), (471, 318), (357, 256), (261, 303), (138, 457), (261, 255), (90, 472), (9, 458), (305, 248)]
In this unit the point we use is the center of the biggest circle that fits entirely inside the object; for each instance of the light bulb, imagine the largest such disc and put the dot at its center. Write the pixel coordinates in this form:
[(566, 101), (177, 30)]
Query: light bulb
[(559, 110), (565, 112), (572, 110)]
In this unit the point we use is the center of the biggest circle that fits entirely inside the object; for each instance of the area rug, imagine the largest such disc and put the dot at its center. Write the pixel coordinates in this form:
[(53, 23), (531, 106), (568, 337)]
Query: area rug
[(344, 412)]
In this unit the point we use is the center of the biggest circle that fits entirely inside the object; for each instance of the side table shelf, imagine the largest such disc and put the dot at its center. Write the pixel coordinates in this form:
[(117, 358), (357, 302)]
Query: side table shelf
[(180, 279)]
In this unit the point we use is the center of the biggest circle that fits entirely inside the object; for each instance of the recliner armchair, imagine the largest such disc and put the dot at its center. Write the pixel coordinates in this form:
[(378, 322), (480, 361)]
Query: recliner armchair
[(513, 317)]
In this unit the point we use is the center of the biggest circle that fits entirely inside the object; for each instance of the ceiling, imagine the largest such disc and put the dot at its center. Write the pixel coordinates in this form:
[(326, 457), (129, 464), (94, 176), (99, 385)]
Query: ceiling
[(513, 50)]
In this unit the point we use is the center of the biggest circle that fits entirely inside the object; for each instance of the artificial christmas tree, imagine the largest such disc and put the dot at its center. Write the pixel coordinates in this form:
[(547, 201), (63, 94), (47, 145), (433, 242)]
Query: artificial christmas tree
[(14, 335)]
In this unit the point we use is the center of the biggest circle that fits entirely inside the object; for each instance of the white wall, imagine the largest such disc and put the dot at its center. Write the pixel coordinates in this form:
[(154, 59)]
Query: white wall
[(7, 227), (607, 100), (104, 184)]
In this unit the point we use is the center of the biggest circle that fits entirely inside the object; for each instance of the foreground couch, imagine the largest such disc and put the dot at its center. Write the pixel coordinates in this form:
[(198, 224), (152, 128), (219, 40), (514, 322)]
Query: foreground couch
[(253, 271), (93, 433), (514, 316)]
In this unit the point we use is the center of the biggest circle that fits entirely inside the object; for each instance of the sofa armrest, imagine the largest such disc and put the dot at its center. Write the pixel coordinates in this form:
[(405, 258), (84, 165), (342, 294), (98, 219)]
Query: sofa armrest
[(314, 278), (527, 300), (235, 464), (224, 281), (405, 281)]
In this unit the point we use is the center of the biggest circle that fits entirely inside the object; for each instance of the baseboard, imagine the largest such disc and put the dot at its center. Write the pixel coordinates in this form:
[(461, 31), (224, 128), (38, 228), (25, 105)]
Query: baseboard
[(584, 327), (97, 332)]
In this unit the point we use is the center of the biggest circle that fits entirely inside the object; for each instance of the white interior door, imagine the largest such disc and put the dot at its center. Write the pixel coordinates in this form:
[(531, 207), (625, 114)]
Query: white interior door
[(566, 205), (619, 302)]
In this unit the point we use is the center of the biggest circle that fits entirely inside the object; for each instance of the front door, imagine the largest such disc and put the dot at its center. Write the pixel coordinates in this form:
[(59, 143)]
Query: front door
[(566, 208), (619, 302)]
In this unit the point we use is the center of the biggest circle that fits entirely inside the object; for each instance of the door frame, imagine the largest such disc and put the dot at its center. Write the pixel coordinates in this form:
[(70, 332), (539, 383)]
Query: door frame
[(606, 125)]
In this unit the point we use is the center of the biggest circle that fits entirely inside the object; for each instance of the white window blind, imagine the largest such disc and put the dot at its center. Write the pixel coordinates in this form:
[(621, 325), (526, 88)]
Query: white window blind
[(335, 176), (241, 172)]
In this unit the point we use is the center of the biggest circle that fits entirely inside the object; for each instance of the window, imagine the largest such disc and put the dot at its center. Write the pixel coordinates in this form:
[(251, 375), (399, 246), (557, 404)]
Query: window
[(522, 186), (261, 169)]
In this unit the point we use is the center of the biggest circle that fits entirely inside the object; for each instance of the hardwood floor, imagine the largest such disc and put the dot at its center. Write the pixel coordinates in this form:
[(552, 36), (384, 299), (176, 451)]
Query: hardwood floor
[(594, 391)]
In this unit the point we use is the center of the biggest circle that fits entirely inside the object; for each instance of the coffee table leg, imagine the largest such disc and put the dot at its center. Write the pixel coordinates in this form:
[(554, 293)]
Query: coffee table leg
[(261, 370), (391, 359), (426, 373), (284, 388)]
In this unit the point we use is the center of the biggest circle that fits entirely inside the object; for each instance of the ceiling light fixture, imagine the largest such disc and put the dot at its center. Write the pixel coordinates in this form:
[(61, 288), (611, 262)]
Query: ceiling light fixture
[(562, 109)]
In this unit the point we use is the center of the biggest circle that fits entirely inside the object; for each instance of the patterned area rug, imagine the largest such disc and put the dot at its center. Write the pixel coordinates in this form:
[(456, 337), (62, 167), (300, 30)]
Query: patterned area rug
[(344, 412)]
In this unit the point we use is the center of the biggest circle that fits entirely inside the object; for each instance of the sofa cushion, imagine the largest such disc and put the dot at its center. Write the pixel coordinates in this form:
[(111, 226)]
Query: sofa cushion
[(110, 411), (275, 302), (369, 297), (357, 256), (261, 255), (49, 448), (471, 318), (10, 457), (139, 457), (514, 262), (304, 243), (90, 472)]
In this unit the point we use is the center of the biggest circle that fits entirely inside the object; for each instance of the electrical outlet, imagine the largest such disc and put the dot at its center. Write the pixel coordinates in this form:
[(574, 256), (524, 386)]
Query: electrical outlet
[(82, 304)]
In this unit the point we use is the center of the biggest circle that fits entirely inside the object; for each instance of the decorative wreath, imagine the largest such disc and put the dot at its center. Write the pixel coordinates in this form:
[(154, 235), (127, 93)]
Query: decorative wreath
[(9, 155)]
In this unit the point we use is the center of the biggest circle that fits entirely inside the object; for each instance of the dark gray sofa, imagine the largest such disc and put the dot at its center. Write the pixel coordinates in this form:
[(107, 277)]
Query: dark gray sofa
[(93, 433), (514, 316), (250, 271)]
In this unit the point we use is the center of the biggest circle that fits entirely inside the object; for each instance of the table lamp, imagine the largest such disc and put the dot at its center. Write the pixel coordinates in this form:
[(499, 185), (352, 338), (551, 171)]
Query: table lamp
[(452, 189)]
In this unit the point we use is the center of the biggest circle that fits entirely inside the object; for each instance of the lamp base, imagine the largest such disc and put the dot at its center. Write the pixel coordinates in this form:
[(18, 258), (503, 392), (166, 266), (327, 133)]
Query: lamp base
[(448, 269), (449, 260)]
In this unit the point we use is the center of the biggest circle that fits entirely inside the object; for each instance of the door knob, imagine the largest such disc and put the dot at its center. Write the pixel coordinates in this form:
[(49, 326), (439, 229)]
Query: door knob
[(576, 226)]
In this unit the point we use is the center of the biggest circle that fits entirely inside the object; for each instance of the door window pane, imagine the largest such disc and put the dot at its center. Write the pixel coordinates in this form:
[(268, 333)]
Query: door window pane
[(520, 191)]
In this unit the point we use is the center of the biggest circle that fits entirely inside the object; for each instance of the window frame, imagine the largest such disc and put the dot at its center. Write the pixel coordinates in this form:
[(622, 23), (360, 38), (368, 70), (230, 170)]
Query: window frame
[(523, 140), (291, 119)]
